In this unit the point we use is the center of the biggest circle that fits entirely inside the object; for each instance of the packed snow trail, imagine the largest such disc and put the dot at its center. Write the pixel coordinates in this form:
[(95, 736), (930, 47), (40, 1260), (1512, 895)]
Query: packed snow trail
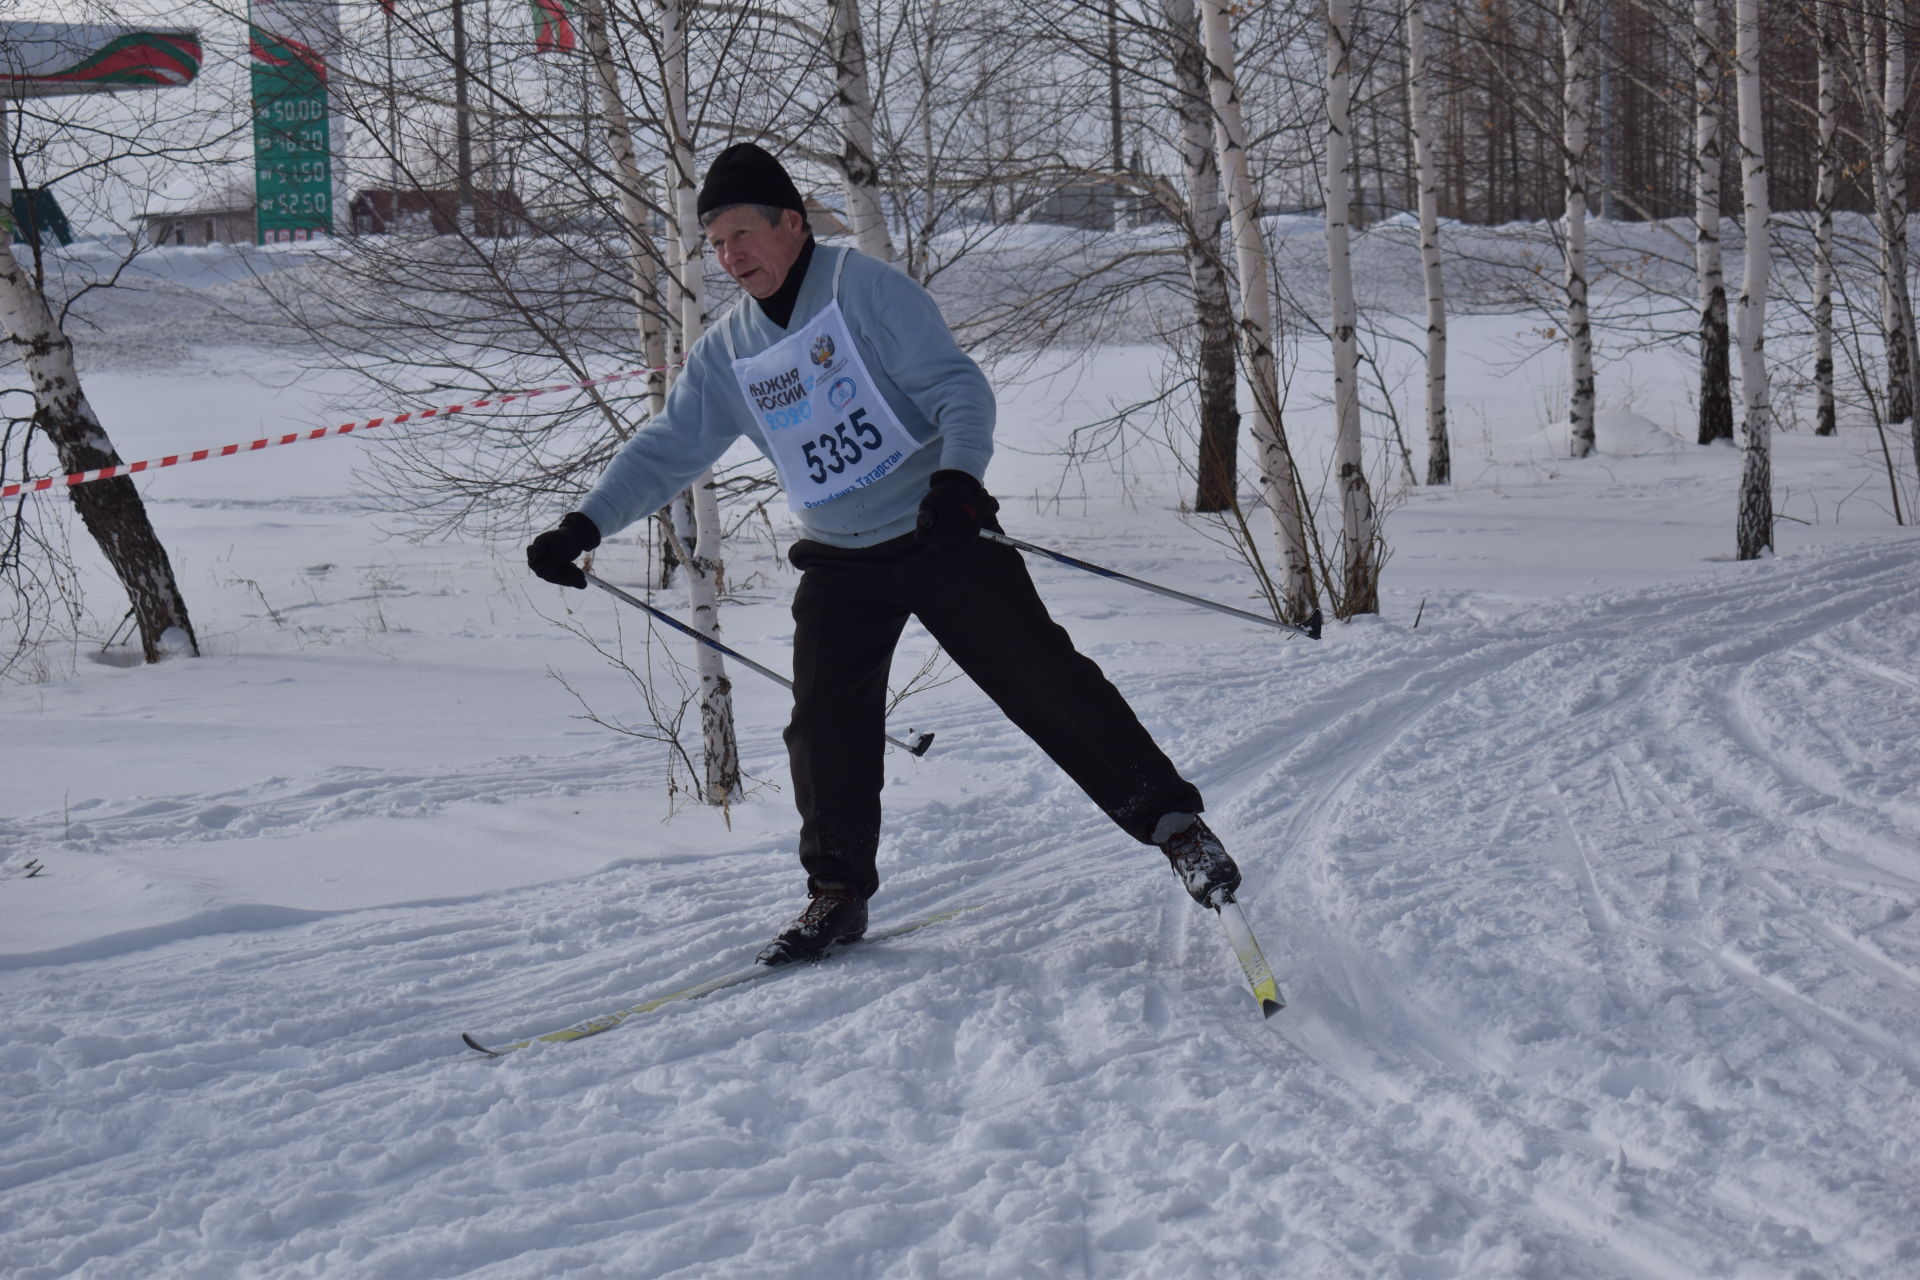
[(1597, 926)]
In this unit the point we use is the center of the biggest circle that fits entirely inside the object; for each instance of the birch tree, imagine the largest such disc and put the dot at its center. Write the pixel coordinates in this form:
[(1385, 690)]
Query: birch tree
[(1426, 178), (865, 214), (1205, 217), (1905, 341), (1576, 94), (1891, 179), (643, 256), (1754, 529), (111, 509), (678, 529), (1878, 83), (705, 567), (1825, 184), (1279, 485), (1359, 588), (1716, 374), (101, 153)]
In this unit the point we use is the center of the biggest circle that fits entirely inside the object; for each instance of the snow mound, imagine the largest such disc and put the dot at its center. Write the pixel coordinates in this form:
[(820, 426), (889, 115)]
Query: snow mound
[(1617, 433)]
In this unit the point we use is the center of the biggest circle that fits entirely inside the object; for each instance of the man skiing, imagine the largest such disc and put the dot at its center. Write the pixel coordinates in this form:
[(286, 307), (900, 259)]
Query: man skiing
[(842, 372)]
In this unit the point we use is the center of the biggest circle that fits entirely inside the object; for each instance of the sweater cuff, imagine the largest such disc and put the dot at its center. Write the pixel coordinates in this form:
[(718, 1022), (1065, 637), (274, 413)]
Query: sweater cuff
[(606, 521), (583, 529), (953, 475)]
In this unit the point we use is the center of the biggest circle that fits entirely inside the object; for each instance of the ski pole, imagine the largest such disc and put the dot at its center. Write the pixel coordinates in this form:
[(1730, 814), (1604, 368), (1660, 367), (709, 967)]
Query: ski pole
[(917, 747), (1311, 630)]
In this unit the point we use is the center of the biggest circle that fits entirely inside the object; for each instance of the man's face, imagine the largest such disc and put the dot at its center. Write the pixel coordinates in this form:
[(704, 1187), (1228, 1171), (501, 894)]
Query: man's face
[(754, 253)]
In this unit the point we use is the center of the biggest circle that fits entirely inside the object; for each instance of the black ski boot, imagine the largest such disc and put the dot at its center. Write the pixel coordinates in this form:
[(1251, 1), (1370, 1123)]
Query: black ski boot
[(1202, 863), (830, 920)]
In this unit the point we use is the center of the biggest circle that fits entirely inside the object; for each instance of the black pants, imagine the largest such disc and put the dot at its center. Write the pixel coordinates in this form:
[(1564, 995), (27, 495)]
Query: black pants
[(979, 603)]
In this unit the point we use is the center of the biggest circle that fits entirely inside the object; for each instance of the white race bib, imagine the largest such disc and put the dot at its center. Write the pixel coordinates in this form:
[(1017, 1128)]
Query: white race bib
[(829, 430)]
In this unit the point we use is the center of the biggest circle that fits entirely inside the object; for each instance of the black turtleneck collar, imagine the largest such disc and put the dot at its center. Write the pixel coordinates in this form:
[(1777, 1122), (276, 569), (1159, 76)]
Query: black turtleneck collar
[(778, 306)]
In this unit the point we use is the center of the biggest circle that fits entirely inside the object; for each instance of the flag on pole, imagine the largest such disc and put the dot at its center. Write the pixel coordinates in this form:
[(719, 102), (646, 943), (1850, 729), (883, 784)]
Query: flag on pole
[(56, 59), (552, 26)]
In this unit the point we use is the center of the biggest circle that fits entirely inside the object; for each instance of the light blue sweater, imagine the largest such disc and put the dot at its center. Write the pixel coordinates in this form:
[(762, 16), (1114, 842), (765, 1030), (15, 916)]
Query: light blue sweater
[(934, 388)]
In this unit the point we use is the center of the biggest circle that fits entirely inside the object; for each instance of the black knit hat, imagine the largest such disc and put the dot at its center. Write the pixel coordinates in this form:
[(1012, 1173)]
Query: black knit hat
[(746, 174)]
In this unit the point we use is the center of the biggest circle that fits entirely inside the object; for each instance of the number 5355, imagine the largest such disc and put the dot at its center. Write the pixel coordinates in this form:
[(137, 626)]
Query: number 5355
[(841, 450)]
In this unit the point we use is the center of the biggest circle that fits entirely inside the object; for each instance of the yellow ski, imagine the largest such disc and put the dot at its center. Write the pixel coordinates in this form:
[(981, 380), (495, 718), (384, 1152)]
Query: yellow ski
[(751, 973)]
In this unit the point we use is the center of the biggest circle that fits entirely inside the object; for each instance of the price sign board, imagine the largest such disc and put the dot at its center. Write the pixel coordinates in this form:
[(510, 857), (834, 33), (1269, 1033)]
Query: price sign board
[(292, 129)]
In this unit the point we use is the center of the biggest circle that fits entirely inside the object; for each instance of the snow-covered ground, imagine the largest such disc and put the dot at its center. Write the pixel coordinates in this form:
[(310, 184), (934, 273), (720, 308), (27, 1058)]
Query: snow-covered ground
[(1593, 895)]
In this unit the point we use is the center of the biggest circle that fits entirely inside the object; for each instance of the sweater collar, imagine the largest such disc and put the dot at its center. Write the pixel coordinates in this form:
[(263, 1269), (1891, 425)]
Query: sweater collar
[(778, 306)]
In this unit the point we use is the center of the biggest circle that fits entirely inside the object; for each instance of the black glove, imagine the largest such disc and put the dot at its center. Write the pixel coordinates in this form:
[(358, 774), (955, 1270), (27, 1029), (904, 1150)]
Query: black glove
[(551, 555), (952, 513)]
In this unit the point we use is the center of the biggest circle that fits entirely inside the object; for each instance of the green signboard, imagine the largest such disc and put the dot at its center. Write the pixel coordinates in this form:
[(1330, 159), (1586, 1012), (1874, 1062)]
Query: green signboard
[(36, 213), (292, 134)]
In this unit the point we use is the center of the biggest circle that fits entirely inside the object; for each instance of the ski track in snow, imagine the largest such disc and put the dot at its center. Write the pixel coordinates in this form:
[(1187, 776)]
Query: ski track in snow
[(283, 805), (1597, 924)]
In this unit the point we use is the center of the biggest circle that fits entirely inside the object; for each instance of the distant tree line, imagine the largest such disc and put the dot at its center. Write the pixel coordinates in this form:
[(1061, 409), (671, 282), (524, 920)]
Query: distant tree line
[(1497, 79)]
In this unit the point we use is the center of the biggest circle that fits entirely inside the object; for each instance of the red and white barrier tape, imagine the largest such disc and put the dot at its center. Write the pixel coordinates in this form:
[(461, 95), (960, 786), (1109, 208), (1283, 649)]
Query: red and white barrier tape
[(227, 451)]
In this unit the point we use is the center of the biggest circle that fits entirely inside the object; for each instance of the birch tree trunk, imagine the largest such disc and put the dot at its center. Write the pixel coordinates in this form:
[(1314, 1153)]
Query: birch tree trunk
[(1116, 124), (1898, 33), (1215, 488), (865, 212), (1280, 487), (705, 571), (920, 230), (1426, 179), (1360, 581), (1754, 531), (111, 509), (1896, 299), (1577, 93), (643, 256), (1825, 184), (1716, 373)]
